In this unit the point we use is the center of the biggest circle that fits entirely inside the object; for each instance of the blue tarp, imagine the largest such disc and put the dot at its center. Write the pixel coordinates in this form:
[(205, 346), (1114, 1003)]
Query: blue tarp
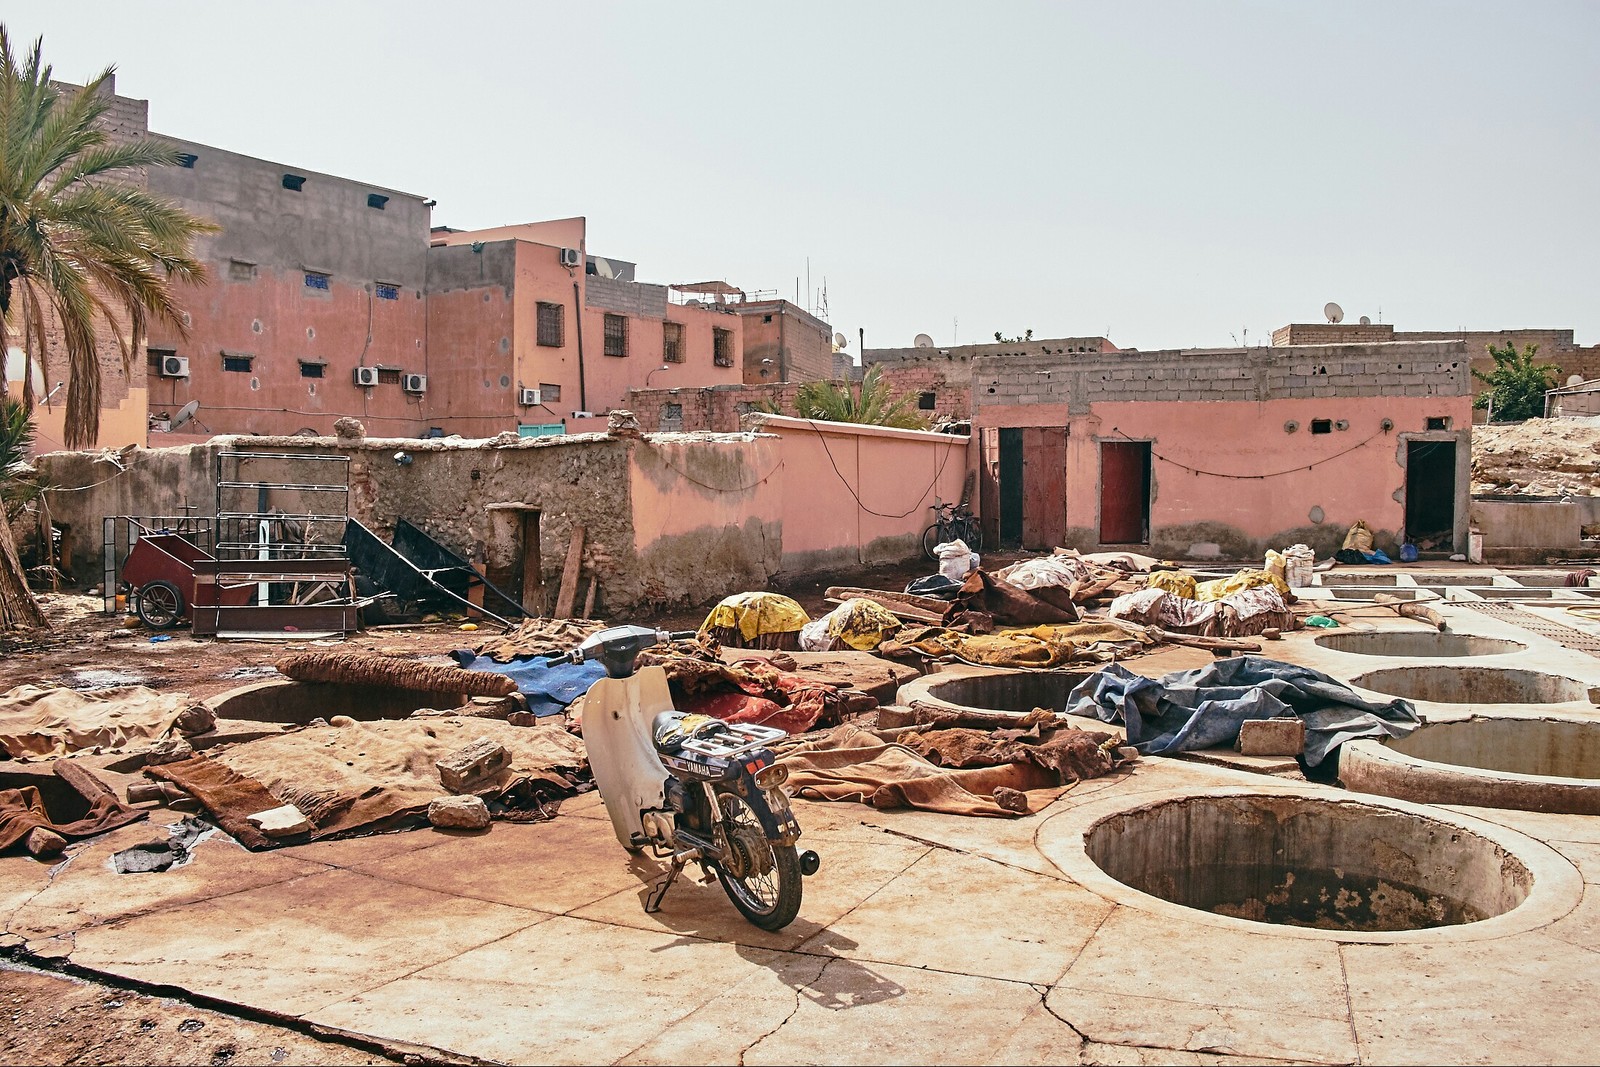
[(549, 689), (1203, 708)]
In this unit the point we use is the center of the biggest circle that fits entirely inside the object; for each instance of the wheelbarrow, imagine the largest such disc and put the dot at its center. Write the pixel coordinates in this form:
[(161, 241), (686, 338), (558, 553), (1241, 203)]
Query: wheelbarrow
[(160, 572)]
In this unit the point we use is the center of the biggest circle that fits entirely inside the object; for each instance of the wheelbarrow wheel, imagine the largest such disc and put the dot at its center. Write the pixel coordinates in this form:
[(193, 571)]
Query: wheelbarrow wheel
[(160, 605)]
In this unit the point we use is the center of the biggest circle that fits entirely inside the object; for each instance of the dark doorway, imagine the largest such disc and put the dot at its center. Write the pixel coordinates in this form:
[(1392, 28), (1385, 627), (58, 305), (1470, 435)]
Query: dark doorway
[(1431, 494), (1124, 492), (1010, 487)]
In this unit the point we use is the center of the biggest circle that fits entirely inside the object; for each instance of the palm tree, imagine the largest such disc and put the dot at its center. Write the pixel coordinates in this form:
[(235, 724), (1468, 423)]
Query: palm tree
[(82, 247), (873, 404)]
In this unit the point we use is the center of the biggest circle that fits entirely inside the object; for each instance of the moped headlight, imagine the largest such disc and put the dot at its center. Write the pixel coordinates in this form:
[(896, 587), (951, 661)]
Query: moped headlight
[(772, 777)]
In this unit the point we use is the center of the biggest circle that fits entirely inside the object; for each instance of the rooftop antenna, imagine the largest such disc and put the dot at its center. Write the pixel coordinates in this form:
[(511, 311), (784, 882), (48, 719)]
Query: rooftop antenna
[(841, 341), (1366, 321), (1334, 312), (923, 341), (185, 414)]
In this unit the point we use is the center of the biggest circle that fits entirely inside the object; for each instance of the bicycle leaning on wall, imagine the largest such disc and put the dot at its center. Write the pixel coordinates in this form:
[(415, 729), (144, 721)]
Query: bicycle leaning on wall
[(952, 522)]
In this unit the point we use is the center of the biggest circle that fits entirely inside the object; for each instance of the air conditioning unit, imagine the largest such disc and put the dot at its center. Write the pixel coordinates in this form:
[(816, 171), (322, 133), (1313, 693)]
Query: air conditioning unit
[(414, 383), (366, 376), (571, 257), (174, 366), (529, 398)]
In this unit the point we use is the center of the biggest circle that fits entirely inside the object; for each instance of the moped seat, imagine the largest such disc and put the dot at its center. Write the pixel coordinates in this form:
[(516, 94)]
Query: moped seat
[(672, 728)]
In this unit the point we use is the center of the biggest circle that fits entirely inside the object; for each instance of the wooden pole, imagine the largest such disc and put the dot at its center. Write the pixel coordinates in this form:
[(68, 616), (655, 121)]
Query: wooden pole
[(569, 575)]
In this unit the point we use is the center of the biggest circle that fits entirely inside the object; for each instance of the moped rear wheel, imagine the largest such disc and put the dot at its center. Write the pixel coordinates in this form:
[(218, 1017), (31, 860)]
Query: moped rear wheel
[(761, 877)]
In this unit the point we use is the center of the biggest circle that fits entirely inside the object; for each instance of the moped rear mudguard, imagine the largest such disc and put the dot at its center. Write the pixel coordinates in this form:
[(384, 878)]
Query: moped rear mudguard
[(618, 716)]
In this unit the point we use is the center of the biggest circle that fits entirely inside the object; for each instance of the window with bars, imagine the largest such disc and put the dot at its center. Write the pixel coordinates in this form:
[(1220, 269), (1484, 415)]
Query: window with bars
[(722, 347), (386, 291), (552, 325), (237, 363), (672, 342), (549, 393), (616, 335), (388, 377), (316, 280), (311, 368), (671, 417)]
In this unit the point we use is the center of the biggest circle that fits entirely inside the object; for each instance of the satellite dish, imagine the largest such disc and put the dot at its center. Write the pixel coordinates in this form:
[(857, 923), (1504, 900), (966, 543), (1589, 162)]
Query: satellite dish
[(186, 414), (1334, 312), (841, 341), (1365, 321), (923, 341)]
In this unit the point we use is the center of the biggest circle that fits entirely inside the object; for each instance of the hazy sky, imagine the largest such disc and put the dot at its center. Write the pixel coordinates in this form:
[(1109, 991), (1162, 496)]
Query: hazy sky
[(1169, 173)]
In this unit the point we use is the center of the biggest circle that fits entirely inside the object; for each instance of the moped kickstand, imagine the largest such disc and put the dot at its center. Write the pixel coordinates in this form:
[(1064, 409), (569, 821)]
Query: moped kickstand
[(658, 892)]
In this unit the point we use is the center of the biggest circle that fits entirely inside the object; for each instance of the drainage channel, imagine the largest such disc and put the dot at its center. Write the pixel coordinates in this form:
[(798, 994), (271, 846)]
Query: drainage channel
[(1567, 636)]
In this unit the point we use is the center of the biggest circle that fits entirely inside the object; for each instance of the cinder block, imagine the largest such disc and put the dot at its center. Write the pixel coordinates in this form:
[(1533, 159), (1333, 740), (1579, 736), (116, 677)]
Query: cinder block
[(1272, 737), (465, 767)]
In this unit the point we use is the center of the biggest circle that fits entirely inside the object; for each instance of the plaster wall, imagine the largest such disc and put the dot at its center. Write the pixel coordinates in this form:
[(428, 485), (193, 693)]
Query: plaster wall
[(798, 345), (1525, 529)]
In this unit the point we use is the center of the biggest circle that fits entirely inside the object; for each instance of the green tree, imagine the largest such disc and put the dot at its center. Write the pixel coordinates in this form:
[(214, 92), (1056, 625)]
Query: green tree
[(83, 248), (19, 486), (873, 403), (1012, 340), (1516, 385)]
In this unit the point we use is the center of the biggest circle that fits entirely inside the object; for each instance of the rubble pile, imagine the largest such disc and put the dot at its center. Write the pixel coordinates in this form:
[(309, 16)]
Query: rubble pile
[(1540, 457)]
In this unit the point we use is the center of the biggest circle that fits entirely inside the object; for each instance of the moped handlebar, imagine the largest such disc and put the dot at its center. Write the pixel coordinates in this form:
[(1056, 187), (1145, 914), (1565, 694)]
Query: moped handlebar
[(618, 646)]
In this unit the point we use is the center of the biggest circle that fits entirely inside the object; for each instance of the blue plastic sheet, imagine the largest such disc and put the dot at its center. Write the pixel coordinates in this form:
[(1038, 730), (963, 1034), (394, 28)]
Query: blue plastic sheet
[(1203, 708), (548, 687)]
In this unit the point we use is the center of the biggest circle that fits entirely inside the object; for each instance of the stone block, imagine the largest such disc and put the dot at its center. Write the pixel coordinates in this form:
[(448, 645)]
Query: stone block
[(1272, 737), (286, 821), (459, 813), (168, 750), (465, 767)]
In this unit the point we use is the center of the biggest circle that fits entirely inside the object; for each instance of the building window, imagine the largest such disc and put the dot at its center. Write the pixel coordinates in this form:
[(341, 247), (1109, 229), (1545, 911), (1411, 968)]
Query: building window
[(316, 280), (241, 271), (722, 347), (156, 355), (293, 182), (1321, 425), (1438, 422), (766, 318), (387, 292), (672, 342), (549, 393), (388, 375), (925, 401), (616, 335), (672, 416), (237, 363), (310, 368), (376, 200), (552, 325), (186, 160)]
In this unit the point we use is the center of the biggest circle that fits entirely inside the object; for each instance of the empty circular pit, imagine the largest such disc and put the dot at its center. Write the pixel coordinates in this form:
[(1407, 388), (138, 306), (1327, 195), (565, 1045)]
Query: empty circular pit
[(1544, 764), (1307, 862), (1423, 644), (1473, 685), (283, 700), (1007, 691)]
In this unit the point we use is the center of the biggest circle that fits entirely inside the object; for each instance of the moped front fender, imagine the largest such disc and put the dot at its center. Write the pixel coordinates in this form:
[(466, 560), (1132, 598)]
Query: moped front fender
[(618, 715)]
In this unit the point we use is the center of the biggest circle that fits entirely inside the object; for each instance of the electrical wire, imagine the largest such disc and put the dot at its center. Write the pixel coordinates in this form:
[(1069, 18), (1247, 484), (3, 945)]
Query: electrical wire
[(919, 506), (1254, 477)]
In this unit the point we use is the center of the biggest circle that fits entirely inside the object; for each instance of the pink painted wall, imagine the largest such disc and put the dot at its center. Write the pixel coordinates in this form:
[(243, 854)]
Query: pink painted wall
[(1357, 473), (610, 377), (561, 233), (860, 494)]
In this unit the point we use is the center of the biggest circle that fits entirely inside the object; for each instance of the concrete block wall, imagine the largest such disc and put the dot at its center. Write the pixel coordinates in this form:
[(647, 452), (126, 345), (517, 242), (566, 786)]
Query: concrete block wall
[(1332, 333), (638, 299), (1235, 374)]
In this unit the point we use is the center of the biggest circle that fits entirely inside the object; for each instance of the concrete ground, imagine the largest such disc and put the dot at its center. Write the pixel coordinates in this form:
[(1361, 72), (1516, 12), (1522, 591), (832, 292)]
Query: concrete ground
[(924, 938)]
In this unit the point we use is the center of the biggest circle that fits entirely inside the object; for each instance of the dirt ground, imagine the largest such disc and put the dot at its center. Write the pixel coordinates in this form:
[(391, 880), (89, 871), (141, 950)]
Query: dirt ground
[(54, 1019)]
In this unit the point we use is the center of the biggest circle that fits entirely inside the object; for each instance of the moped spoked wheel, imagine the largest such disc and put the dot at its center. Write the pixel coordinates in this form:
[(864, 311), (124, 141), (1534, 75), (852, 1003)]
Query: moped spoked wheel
[(760, 877)]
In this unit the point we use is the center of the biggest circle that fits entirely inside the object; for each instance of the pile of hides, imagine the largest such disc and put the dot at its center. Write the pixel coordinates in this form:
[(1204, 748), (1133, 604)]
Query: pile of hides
[(994, 773), (1048, 588), (365, 668), (371, 776), (1203, 708), (548, 686), (757, 620), (539, 637), (1040, 648), (23, 809), (1242, 613), (858, 623), (40, 723), (764, 691)]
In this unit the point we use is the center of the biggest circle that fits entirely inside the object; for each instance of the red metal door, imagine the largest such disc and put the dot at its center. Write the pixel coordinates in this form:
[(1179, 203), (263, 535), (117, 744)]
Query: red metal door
[(1124, 492), (1044, 495)]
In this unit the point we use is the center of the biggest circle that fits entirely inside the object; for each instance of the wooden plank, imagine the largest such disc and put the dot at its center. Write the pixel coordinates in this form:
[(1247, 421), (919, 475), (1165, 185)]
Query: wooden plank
[(533, 590), (926, 603), (898, 610), (569, 575), (588, 598)]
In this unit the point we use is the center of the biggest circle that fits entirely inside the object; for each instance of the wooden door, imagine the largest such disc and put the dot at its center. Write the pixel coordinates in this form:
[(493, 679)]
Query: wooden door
[(1124, 492), (1044, 487)]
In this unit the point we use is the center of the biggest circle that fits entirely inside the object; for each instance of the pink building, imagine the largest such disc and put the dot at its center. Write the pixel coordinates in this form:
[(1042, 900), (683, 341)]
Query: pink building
[(1226, 452)]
